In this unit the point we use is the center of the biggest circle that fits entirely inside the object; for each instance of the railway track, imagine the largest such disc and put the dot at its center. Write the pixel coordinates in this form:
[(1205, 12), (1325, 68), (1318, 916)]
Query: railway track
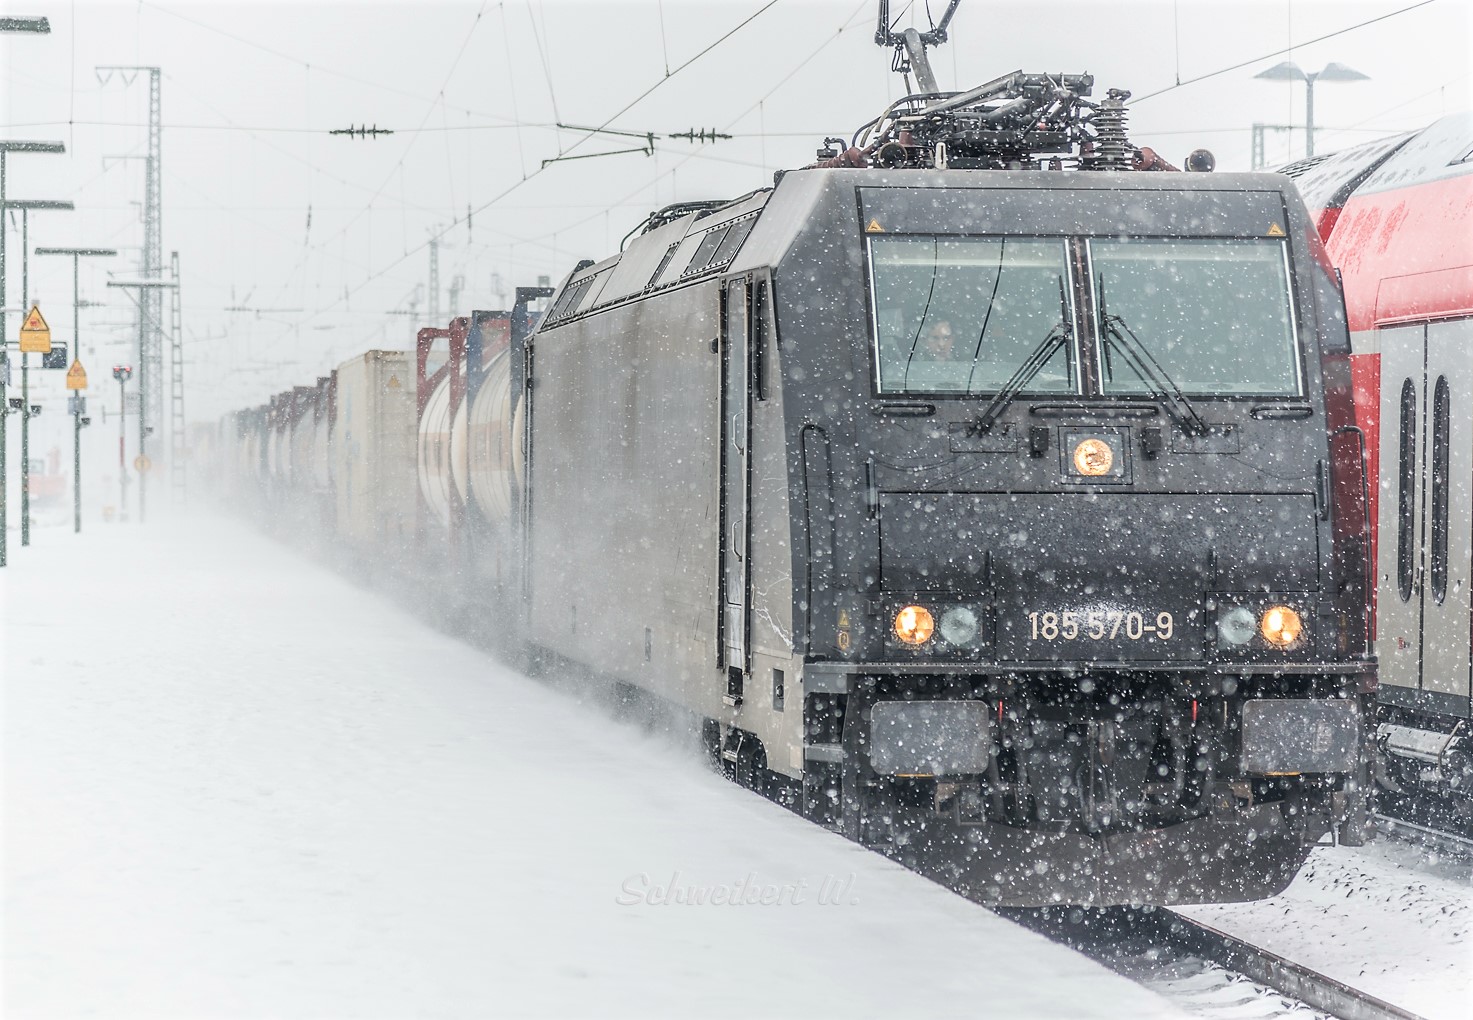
[(1152, 947), (1445, 843), (1283, 975)]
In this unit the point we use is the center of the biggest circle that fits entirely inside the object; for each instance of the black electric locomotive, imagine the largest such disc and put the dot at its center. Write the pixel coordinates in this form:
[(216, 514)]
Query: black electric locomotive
[(991, 491), (1006, 517)]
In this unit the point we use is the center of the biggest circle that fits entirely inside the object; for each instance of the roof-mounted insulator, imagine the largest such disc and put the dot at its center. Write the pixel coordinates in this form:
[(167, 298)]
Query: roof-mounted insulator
[(1112, 149)]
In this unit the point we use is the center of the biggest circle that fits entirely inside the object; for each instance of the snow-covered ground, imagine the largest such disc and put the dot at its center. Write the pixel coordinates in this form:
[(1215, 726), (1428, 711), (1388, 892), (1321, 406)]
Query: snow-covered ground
[(1389, 918), (237, 786)]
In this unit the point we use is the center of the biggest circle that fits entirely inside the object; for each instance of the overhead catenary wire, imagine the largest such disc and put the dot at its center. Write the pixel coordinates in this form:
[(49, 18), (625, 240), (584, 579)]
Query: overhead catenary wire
[(511, 79), (542, 56), (670, 163), (664, 46), (430, 109), (1277, 53), (253, 129), (542, 240), (342, 231), (356, 79), (515, 185)]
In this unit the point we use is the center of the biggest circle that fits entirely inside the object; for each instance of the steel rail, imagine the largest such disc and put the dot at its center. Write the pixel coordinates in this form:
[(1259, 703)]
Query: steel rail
[(1165, 928), (1447, 843), (1293, 979)]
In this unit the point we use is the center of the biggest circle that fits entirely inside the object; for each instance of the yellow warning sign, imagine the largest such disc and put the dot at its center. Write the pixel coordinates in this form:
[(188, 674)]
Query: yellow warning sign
[(1275, 230), (843, 618), (76, 376), (35, 335), (394, 383), (874, 227)]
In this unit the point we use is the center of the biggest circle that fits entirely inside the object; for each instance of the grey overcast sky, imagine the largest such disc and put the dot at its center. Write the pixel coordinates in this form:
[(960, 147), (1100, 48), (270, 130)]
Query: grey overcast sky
[(323, 239)]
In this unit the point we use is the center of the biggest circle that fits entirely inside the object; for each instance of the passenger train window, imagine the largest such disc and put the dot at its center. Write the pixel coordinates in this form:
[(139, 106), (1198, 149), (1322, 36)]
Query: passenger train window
[(1215, 313), (960, 315), (1441, 425), (1406, 496)]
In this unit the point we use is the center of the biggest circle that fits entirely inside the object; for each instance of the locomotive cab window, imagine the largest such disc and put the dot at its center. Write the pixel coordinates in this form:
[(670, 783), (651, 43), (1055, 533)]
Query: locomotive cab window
[(960, 315), (1214, 314)]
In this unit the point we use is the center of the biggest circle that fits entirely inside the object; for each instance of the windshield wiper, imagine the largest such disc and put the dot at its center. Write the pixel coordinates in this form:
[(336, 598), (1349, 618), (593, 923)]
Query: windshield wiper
[(1046, 349), (1144, 364)]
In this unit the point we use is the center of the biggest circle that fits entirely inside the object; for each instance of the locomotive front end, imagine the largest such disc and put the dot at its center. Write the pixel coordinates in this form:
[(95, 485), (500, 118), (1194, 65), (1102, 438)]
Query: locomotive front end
[(1093, 630)]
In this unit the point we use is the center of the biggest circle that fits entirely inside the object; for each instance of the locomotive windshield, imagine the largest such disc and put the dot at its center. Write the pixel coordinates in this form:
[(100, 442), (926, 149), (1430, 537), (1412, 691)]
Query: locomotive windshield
[(1214, 313), (958, 315)]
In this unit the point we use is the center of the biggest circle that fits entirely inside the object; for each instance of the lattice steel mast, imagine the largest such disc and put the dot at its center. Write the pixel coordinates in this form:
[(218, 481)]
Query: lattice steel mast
[(151, 305)]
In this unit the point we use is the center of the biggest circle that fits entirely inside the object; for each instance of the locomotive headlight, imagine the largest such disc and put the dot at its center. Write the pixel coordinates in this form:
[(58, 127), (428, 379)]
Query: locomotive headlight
[(1093, 457), (914, 625), (959, 625), (1280, 626), (1236, 626)]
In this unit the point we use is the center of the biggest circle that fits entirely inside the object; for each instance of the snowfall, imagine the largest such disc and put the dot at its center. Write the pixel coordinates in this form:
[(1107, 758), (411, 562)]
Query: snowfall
[(236, 785)]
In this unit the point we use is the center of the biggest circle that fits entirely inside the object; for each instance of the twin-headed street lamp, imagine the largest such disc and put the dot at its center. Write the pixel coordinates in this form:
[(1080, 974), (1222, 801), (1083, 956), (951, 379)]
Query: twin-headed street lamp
[(1290, 71)]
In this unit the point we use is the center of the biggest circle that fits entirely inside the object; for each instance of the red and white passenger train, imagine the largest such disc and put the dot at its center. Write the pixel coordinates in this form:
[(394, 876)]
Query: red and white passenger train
[(1396, 216)]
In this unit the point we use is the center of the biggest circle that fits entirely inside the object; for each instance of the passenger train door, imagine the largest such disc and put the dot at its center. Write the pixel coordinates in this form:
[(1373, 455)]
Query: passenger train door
[(735, 478), (1425, 522)]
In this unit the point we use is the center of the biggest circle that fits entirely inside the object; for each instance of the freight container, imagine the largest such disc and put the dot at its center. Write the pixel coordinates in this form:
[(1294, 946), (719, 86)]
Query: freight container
[(373, 452)]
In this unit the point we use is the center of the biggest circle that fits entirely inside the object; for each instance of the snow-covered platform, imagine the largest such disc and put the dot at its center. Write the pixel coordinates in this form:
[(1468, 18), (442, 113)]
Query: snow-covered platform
[(237, 786)]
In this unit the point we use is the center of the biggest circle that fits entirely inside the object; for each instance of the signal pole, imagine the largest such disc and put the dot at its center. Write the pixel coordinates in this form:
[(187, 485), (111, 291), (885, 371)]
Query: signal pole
[(121, 373), (148, 292), (8, 147), (77, 255), (27, 412)]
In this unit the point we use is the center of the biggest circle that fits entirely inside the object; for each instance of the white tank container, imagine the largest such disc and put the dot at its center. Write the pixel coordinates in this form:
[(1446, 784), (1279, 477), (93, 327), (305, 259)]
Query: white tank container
[(495, 455)]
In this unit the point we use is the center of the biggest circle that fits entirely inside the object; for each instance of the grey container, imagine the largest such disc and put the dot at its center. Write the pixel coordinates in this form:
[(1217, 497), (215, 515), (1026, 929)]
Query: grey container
[(373, 449)]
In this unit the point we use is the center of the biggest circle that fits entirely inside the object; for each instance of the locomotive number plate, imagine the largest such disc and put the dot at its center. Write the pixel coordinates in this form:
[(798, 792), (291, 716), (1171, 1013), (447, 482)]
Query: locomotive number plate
[(1101, 625)]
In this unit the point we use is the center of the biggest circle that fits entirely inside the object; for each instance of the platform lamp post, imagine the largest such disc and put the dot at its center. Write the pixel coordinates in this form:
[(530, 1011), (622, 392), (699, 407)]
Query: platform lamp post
[(1290, 71), (78, 405), (7, 147), (122, 373), (143, 427), (27, 411)]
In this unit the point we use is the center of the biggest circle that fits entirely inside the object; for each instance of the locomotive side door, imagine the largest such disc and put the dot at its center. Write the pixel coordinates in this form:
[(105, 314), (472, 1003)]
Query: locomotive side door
[(735, 478)]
